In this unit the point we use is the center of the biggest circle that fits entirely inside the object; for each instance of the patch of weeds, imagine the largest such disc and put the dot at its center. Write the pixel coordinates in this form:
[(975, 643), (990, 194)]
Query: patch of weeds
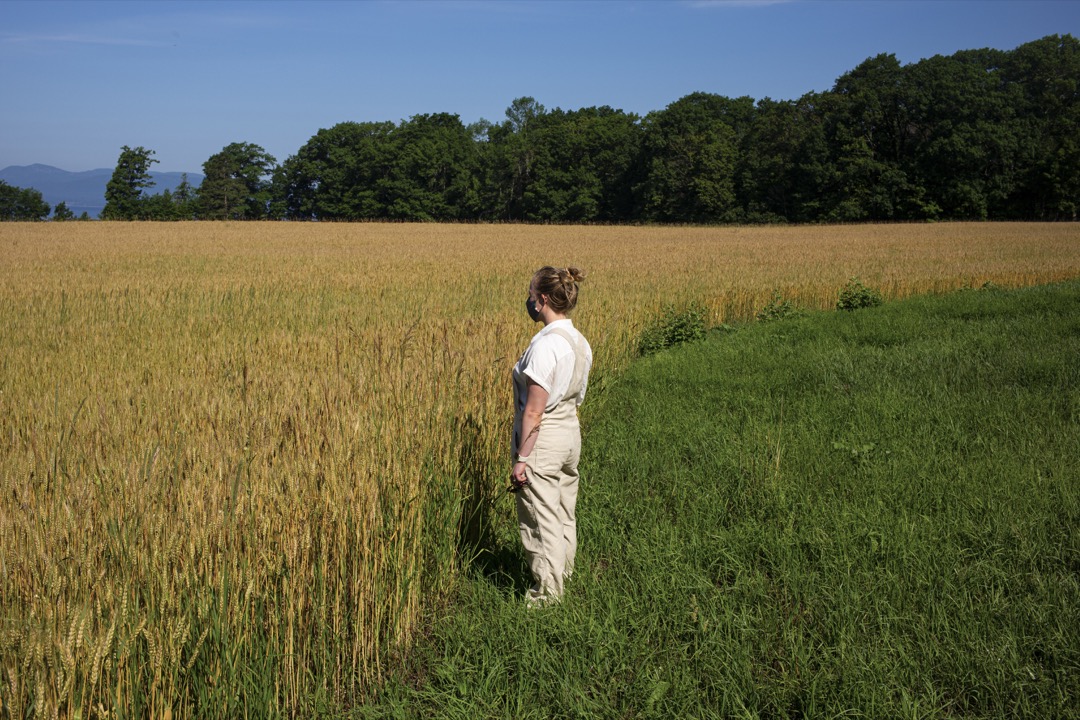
[(777, 309), (673, 327), (856, 296), (859, 453)]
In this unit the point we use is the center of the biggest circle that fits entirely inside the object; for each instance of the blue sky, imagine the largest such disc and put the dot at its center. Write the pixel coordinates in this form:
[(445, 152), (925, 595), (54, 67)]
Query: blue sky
[(81, 79)]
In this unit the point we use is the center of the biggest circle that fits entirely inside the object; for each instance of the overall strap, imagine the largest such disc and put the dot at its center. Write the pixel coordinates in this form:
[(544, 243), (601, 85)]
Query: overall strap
[(578, 378)]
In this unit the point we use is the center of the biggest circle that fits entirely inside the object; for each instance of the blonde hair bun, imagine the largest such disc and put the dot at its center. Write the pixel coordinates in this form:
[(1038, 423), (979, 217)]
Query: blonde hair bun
[(560, 285), (575, 274)]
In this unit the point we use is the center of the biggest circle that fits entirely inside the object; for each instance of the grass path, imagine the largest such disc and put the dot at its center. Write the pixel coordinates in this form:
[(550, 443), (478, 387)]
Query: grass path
[(867, 514)]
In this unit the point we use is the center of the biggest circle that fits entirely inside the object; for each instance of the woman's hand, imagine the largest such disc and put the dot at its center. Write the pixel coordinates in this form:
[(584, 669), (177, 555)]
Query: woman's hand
[(517, 474)]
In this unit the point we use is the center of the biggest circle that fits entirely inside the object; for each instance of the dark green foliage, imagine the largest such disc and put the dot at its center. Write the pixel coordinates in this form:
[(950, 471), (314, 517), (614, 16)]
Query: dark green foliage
[(784, 170), (339, 174), (124, 199), (855, 296), (1044, 80), (673, 327), (978, 135), (508, 159), (581, 165), (777, 309), (692, 150), (171, 206), (432, 172), (981, 134), (21, 204), (62, 212), (236, 185), (185, 200)]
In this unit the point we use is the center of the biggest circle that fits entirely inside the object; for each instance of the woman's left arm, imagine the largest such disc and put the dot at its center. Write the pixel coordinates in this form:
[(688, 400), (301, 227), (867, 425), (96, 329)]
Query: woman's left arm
[(535, 404)]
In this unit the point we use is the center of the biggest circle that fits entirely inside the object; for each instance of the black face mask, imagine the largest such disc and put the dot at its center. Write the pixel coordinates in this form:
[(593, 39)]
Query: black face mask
[(531, 307)]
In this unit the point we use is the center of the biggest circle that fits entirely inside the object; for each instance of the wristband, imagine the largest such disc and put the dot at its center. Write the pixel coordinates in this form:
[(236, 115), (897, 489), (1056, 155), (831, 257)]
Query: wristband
[(521, 459)]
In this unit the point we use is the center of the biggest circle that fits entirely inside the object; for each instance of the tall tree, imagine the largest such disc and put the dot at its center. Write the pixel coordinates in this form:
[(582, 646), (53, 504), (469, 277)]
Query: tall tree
[(582, 162), (963, 133), (691, 151), (186, 199), (236, 185), (867, 124), (784, 162), (1048, 70), (510, 158), (433, 171), (340, 173), (124, 192)]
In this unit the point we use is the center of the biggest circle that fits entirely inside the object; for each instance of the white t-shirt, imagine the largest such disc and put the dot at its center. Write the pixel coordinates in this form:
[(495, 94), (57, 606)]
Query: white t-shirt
[(549, 362)]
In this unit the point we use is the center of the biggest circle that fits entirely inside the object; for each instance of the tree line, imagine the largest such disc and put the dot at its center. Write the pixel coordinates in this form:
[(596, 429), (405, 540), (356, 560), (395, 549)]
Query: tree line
[(978, 135)]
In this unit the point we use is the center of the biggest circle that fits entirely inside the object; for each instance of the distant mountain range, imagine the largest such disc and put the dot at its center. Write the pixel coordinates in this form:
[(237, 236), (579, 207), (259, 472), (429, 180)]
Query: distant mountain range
[(82, 191)]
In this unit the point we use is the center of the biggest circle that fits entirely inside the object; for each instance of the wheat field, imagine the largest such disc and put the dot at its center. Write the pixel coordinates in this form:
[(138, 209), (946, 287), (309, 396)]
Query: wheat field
[(240, 463)]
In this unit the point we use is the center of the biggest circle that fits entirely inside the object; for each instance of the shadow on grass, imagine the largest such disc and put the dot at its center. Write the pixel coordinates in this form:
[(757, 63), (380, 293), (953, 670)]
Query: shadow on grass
[(502, 563), (504, 567)]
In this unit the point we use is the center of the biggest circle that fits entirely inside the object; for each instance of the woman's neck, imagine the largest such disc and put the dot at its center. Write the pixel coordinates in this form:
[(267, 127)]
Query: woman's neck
[(547, 318)]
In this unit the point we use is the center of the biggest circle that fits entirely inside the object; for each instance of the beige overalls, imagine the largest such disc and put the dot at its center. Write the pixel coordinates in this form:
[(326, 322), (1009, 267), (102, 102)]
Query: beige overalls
[(546, 506)]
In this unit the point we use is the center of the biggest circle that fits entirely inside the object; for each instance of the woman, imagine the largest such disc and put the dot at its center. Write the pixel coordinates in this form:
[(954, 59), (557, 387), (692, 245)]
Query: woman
[(549, 384)]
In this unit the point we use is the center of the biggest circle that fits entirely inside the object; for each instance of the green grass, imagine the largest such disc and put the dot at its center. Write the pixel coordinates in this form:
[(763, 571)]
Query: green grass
[(867, 514)]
